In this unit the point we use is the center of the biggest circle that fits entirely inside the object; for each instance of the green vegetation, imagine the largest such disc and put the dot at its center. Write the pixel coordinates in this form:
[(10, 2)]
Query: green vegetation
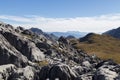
[(104, 46)]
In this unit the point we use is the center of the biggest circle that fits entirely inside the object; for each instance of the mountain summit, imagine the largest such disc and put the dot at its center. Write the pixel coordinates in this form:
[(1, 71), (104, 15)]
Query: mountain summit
[(26, 54)]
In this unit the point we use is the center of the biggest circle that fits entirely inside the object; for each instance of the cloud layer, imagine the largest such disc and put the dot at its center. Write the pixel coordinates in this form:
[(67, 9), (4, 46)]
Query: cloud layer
[(84, 24)]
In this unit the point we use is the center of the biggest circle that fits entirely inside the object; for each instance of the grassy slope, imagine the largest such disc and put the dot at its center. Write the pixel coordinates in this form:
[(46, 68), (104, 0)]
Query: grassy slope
[(106, 47)]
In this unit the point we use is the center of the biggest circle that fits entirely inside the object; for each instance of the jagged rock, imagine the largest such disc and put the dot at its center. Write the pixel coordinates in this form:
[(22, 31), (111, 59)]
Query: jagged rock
[(106, 62), (86, 64), (37, 31), (48, 52), (78, 69), (6, 71), (117, 69), (9, 26), (20, 28), (36, 54), (87, 67), (60, 71), (26, 47), (63, 40), (87, 76), (95, 60), (28, 32), (105, 74), (44, 73), (43, 45), (8, 54), (50, 37), (27, 73)]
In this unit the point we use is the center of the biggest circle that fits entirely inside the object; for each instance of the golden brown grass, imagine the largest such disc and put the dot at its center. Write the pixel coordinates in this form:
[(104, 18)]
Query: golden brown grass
[(43, 63), (104, 46)]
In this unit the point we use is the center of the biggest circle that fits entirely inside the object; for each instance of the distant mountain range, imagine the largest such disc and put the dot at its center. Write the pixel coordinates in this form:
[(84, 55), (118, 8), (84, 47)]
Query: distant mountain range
[(76, 34), (114, 32)]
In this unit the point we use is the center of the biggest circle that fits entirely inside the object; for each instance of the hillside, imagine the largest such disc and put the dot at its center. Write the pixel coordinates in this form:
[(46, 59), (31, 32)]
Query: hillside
[(114, 32), (104, 46)]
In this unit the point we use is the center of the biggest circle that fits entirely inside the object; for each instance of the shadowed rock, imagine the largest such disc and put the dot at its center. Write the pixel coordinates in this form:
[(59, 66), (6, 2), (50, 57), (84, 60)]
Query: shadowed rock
[(60, 71)]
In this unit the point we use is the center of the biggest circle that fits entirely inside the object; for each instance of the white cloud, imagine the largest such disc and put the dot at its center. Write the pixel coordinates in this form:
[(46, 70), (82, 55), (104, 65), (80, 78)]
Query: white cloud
[(84, 24)]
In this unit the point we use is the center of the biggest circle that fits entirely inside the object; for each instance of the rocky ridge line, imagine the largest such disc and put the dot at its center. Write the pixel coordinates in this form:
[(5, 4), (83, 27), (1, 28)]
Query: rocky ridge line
[(25, 55)]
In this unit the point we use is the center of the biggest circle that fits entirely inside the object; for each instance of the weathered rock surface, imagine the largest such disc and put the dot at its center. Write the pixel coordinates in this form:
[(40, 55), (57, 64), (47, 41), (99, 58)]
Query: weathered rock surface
[(6, 71), (59, 71), (8, 54), (27, 73), (105, 74), (23, 45)]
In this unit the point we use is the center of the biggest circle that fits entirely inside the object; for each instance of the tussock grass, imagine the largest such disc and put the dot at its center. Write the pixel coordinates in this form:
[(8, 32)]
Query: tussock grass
[(43, 63), (104, 46)]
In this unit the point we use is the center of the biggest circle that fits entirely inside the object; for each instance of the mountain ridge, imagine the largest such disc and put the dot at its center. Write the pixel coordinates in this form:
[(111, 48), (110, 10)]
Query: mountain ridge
[(104, 46), (27, 55), (76, 34), (114, 32)]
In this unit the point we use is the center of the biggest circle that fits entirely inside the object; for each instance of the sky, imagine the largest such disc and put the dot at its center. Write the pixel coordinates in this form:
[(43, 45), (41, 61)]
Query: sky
[(62, 15)]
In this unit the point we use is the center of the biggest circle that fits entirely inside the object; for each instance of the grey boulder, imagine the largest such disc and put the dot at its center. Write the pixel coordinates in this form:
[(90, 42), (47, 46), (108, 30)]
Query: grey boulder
[(57, 71)]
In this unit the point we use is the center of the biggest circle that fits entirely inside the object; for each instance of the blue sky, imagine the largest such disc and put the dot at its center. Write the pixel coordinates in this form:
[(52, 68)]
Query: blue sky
[(70, 14), (59, 8)]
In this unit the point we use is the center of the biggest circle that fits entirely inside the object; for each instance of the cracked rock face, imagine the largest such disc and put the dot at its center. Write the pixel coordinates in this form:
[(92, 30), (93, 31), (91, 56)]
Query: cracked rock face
[(105, 74), (25, 55), (26, 47), (6, 71), (27, 73), (8, 54), (57, 72)]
